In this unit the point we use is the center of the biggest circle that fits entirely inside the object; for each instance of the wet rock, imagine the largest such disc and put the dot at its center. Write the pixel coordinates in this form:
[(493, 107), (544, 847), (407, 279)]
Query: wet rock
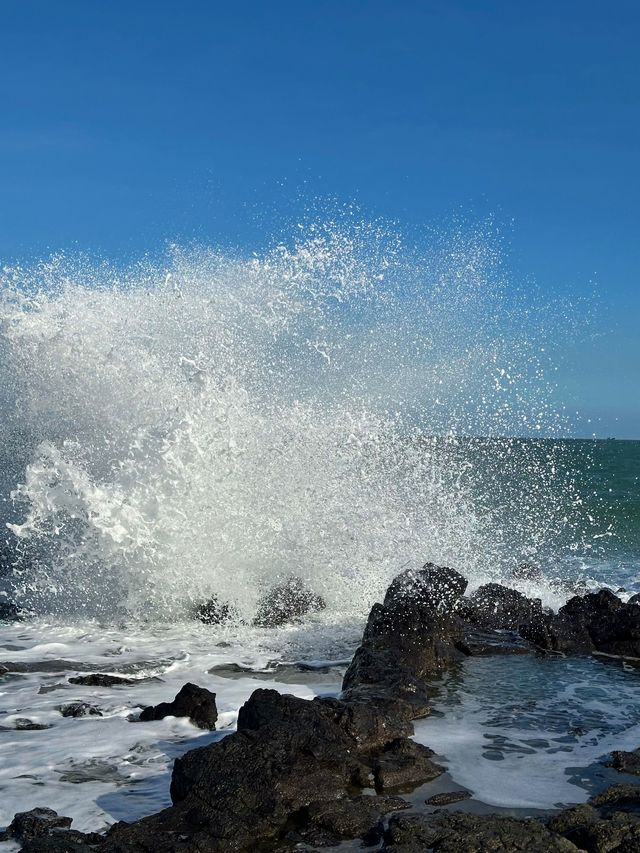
[(24, 725), (452, 832), (604, 621), (36, 823), (100, 679), (80, 709), (610, 821), (9, 612), (214, 612), (287, 602), (430, 589), (405, 764), (447, 798), (360, 817), (626, 762), (197, 703), (411, 637), (482, 642), (497, 606)]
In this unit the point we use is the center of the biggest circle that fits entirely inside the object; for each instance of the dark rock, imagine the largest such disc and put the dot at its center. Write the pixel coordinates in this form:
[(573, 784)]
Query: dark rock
[(24, 725), (635, 599), (626, 762), (405, 764), (99, 679), (431, 589), (410, 638), (446, 799), (618, 795), (497, 606), (611, 625), (360, 817), (197, 703), (80, 709), (452, 832), (9, 612), (36, 823), (287, 602), (482, 642), (214, 612)]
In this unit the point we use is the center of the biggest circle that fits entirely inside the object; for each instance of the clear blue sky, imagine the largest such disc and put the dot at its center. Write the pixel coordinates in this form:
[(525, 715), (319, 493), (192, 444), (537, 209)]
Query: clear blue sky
[(125, 124)]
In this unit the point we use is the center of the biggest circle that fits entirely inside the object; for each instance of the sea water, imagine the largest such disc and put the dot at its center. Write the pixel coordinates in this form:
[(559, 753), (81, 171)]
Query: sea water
[(336, 408)]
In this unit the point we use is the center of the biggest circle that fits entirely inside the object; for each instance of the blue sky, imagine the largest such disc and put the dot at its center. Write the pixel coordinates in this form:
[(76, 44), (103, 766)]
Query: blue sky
[(124, 125)]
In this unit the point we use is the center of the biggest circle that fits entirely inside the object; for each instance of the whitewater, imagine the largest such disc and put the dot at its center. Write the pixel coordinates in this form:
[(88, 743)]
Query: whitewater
[(208, 423)]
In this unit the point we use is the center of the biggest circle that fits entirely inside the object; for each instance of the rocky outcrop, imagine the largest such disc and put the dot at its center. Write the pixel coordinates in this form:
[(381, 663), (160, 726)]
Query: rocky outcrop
[(287, 602), (289, 761), (465, 833), (411, 637), (197, 703)]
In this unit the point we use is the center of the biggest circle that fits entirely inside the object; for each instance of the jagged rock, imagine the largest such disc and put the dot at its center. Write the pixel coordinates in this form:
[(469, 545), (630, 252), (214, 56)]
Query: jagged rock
[(80, 709), (452, 832), (447, 798), (404, 763), (408, 639), (36, 823), (360, 817), (197, 703), (497, 606), (99, 679), (287, 602), (612, 625), (626, 762), (214, 612)]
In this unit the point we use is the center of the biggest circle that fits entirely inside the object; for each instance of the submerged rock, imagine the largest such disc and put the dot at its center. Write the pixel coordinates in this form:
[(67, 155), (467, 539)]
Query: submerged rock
[(100, 679), (287, 602), (447, 798), (80, 709), (197, 703)]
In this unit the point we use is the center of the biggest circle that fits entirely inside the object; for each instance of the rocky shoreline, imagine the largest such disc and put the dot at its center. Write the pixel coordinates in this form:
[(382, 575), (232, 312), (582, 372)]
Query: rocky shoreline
[(308, 774)]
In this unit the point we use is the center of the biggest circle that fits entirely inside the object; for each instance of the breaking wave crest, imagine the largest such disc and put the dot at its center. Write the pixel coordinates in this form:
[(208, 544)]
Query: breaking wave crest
[(207, 423)]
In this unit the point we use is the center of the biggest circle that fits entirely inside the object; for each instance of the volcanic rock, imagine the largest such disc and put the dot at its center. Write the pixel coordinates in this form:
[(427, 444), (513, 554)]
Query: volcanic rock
[(197, 703), (404, 763), (452, 832), (80, 709), (99, 679), (36, 823), (287, 602), (626, 762), (497, 606), (447, 798)]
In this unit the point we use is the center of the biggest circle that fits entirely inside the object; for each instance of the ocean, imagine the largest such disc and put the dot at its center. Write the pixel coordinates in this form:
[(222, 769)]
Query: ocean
[(208, 424)]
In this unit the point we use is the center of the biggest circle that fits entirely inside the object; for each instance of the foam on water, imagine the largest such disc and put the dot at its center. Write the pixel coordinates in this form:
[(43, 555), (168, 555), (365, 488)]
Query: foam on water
[(207, 423)]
